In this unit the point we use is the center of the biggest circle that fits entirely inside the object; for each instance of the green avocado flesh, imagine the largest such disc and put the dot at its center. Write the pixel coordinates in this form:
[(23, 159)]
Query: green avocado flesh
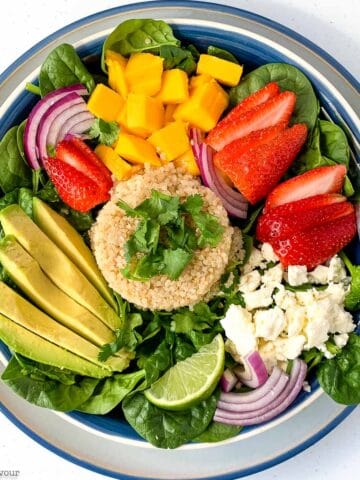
[(56, 265), (14, 307), (27, 274), (22, 341), (72, 244)]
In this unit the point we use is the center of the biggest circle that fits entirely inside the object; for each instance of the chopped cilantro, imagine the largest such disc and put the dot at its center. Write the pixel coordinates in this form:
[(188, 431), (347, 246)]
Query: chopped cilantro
[(104, 132)]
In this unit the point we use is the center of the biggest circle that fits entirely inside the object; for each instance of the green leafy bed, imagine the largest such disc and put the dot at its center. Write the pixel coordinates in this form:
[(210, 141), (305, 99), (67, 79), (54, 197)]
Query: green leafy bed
[(160, 339)]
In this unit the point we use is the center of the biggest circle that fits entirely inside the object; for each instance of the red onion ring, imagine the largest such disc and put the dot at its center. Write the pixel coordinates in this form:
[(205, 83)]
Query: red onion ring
[(71, 123), (228, 380), (254, 373)]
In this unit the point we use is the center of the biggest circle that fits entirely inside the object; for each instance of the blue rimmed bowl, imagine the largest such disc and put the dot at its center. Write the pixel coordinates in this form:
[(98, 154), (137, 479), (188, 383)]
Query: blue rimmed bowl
[(252, 39)]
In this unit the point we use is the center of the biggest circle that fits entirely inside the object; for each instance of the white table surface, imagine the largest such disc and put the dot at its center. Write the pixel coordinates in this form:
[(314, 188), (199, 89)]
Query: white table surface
[(331, 24)]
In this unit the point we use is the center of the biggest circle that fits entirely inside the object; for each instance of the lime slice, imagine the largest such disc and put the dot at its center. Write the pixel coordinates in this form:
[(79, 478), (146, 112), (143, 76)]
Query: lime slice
[(191, 380)]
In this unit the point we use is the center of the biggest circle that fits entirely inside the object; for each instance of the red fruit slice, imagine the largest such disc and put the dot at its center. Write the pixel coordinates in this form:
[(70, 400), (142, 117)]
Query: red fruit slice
[(74, 188), (256, 172), (329, 179), (75, 153), (275, 110), (288, 219), (316, 245), (226, 159)]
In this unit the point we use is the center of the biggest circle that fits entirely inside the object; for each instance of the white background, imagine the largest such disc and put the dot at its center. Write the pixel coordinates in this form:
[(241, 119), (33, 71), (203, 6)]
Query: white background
[(331, 24)]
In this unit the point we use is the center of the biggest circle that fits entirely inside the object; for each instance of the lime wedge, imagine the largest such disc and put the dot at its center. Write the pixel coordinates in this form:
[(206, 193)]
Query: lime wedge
[(191, 380)]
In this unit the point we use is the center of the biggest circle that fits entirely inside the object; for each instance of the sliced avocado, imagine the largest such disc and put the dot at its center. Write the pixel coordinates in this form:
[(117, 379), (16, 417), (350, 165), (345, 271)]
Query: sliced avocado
[(17, 309), (27, 275), (36, 348), (57, 266), (72, 244)]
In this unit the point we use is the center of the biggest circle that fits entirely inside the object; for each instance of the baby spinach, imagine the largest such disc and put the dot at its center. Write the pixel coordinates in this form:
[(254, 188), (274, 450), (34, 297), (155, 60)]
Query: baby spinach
[(41, 371), (287, 77), (177, 57), (20, 139), (352, 299), (25, 200), (14, 172), (217, 432), (63, 67), (340, 376), (167, 429), (221, 53), (104, 132), (333, 142), (138, 35)]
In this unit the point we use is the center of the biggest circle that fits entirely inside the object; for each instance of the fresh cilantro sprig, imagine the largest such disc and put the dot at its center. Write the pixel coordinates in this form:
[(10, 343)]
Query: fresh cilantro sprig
[(104, 132), (166, 236)]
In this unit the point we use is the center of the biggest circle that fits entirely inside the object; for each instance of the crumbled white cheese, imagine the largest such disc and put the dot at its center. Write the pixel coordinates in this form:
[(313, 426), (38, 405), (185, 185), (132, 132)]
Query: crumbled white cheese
[(259, 299), (306, 298), (268, 253), (284, 298), (295, 319), (268, 354), (325, 351), (318, 323), (256, 260), (297, 275), (240, 329), (273, 276), (289, 348), (319, 275), (341, 321), (250, 281), (335, 292), (341, 339), (306, 387), (269, 323), (337, 270)]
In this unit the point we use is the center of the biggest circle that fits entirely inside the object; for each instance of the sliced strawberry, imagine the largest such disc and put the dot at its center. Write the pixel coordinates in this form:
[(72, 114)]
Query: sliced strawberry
[(275, 110), (226, 159), (316, 245), (290, 218), (74, 188), (256, 172), (329, 179), (75, 153)]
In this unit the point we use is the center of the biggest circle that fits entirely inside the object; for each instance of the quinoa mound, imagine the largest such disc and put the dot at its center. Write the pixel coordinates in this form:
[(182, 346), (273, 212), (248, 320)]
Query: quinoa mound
[(113, 228)]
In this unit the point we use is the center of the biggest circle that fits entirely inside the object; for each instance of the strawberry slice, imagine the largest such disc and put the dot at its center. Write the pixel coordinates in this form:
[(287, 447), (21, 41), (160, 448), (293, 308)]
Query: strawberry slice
[(75, 189), (75, 153), (256, 171), (275, 110), (290, 218), (226, 159), (315, 246), (329, 179)]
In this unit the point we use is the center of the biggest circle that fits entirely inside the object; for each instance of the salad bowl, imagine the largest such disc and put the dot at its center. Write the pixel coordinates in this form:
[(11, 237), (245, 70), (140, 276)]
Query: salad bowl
[(255, 41)]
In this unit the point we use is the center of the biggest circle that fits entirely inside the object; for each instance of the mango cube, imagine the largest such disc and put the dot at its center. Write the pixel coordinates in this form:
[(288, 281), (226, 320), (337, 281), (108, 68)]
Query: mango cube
[(204, 107), (227, 73), (117, 166), (110, 55), (105, 103), (174, 86), (171, 141), (169, 113), (198, 80), (187, 162), (144, 114), (136, 150), (143, 73), (116, 64)]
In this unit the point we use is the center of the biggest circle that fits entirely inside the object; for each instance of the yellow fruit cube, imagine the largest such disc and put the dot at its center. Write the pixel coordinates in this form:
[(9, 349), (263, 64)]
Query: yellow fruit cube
[(187, 162), (117, 166), (105, 103), (227, 73), (110, 55), (116, 72), (174, 86), (204, 107), (169, 113), (198, 80), (171, 141), (143, 73), (144, 114), (136, 150)]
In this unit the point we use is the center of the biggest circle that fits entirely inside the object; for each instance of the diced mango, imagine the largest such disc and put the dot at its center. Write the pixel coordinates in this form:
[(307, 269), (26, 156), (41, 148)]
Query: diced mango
[(171, 141), (174, 86), (136, 150), (198, 80), (204, 107), (227, 73), (144, 114), (110, 55), (116, 165), (143, 73), (105, 103), (169, 113), (122, 117), (117, 80), (187, 162)]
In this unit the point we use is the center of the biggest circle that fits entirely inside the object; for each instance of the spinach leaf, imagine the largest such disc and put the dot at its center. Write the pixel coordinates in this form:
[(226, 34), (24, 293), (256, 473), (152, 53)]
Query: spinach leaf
[(217, 432), (333, 142), (157, 362), (340, 376), (9, 199), (110, 392), (199, 318), (61, 68), (167, 429), (352, 299), (250, 223), (40, 371), (138, 35), (177, 57), (20, 139), (14, 172), (47, 393), (104, 132), (183, 349), (25, 200), (221, 53), (287, 77)]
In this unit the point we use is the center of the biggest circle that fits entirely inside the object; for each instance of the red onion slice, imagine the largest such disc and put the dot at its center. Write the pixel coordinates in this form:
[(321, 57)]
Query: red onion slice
[(254, 373), (82, 127), (72, 123), (228, 380), (35, 117)]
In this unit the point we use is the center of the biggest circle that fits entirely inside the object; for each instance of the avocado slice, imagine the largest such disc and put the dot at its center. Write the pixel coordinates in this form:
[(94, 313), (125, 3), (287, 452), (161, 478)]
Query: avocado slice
[(72, 244), (56, 265), (17, 309), (22, 341), (27, 274)]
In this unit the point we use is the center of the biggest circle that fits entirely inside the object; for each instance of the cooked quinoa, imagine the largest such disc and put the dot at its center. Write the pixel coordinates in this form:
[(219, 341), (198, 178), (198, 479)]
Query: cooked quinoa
[(113, 228)]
